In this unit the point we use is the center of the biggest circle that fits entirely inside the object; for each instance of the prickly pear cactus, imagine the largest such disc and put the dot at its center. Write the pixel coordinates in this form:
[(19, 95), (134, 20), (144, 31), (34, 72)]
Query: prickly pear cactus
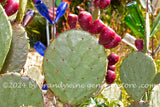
[(17, 54), (157, 79), (18, 90), (35, 73), (155, 96), (112, 92), (136, 73), (5, 36), (74, 66), (139, 104)]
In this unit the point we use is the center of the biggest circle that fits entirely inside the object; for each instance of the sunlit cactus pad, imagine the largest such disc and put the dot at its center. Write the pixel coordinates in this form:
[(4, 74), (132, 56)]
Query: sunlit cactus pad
[(35, 73), (5, 36), (19, 91), (17, 54), (155, 96), (112, 92), (72, 64), (136, 73)]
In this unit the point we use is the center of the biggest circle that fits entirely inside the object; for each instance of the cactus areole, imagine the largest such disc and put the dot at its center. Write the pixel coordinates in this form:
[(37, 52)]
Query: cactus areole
[(74, 65)]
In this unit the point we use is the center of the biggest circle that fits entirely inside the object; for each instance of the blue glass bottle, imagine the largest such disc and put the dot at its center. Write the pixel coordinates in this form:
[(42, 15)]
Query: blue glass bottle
[(43, 10), (45, 87), (40, 48), (61, 10)]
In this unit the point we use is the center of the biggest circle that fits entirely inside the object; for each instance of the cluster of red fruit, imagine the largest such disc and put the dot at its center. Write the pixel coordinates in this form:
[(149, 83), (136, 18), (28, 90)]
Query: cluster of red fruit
[(139, 44), (111, 75), (10, 7), (108, 38)]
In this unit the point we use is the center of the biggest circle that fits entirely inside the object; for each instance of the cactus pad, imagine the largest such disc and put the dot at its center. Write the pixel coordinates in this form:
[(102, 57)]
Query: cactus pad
[(155, 96), (74, 66), (139, 104), (112, 92), (35, 73), (18, 90), (157, 79), (5, 36), (136, 73), (17, 54)]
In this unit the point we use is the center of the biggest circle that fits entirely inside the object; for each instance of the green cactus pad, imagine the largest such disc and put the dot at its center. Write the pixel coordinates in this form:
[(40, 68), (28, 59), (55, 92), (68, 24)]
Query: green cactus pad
[(35, 73), (157, 79), (139, 104), (17, 54), (19, 91), (136, 73), (5, 36), (74, 66), (112, 92), (155, 96)]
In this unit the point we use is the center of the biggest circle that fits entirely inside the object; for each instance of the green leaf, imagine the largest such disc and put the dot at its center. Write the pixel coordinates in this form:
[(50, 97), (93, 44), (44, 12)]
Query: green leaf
[(156, 25)]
